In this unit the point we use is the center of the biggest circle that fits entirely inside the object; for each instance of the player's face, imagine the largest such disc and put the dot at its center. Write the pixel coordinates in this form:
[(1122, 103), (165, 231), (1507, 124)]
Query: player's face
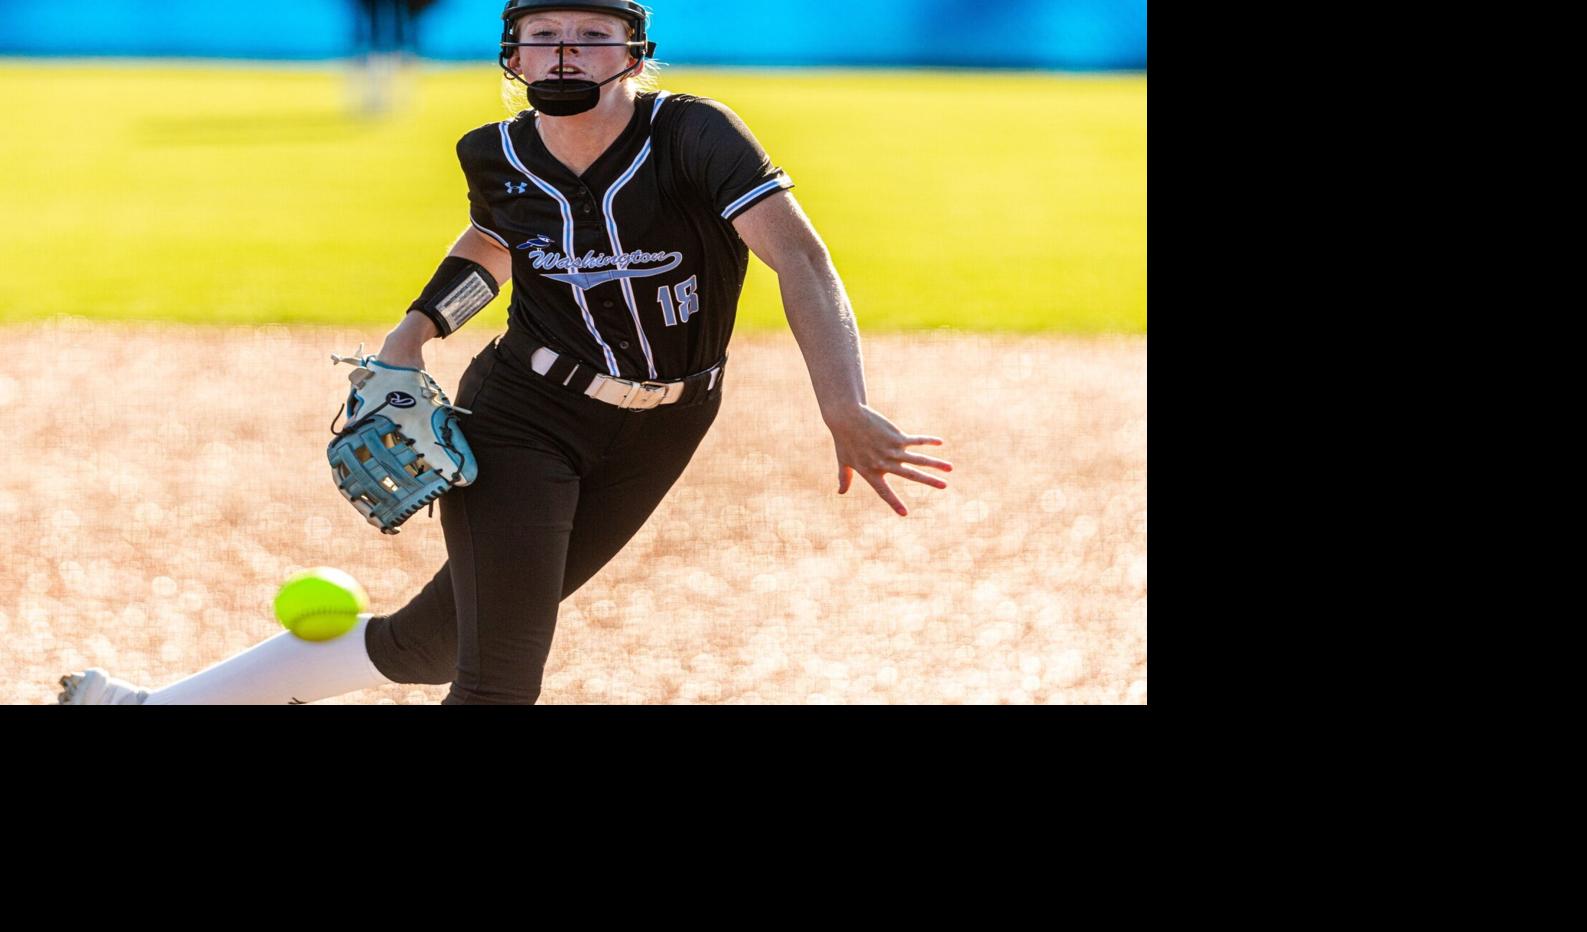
[(588, 63)]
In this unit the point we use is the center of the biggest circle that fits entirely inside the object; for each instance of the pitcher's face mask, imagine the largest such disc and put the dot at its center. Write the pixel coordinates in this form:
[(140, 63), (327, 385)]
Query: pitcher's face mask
[(565, 94)]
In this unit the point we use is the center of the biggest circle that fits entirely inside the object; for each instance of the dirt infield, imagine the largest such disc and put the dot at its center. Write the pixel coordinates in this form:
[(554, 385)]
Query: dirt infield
[(171, 477)]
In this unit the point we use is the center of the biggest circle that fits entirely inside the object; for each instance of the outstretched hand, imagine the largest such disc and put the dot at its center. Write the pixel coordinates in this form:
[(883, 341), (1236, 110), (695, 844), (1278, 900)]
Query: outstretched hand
[(869, 444)]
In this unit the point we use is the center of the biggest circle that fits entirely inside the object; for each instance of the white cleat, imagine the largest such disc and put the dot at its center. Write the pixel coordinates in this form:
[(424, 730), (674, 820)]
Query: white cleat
[(96, 687)]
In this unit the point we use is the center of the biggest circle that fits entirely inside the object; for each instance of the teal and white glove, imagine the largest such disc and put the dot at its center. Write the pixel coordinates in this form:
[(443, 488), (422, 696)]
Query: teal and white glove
[(402, 445)]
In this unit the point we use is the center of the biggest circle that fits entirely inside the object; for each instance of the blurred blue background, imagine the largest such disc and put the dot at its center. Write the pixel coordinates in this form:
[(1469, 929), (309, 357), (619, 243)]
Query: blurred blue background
[(1081, 35)]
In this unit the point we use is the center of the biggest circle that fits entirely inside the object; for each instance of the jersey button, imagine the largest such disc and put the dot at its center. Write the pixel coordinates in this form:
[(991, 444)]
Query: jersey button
[(606, 304), (623, 345)]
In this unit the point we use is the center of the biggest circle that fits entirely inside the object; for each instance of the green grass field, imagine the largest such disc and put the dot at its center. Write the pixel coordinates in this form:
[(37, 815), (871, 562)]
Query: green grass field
[(250, 194)]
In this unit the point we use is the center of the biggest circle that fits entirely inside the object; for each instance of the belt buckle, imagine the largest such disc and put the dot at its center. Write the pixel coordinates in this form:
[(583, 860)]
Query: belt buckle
[(644, 395)]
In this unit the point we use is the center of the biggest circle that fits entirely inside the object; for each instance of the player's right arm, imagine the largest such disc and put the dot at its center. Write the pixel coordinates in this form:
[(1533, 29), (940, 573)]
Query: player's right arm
[(404, 345)]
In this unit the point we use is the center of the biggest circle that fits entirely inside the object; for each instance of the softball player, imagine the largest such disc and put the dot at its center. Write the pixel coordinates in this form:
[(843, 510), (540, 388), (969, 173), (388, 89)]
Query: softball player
[(624, 219)]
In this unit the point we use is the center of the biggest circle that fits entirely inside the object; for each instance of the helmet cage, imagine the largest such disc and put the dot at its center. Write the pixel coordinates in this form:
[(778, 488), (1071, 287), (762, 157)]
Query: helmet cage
[(639, 46)]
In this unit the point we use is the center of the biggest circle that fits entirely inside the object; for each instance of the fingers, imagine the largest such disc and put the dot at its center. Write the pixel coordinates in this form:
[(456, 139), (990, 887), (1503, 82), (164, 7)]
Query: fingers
[(920, 477), (878, 481), (919, 460), (878, 452), (880, 485)]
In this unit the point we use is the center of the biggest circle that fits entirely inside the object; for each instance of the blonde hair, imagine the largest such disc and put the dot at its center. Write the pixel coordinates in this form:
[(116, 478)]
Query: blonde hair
[(515, 96)]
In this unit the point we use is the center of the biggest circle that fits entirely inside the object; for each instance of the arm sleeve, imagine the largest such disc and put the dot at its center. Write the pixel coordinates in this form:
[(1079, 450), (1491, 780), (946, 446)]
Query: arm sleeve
[(724, 160), (470, 157)]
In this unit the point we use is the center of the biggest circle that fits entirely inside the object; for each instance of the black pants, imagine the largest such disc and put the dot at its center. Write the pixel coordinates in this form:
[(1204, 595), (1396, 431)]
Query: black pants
[(564, 482)]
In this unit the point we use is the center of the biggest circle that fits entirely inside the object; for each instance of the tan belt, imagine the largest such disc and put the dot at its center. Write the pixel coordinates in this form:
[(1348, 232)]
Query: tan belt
[(624, 393)]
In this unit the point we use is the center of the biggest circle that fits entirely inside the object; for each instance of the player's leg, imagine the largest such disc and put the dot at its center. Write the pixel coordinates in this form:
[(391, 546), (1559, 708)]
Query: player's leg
[(418, 642), (511, 544), (507, 533), (627, 470), (508, 541), (282, 670), (622, 492), (506, 545)]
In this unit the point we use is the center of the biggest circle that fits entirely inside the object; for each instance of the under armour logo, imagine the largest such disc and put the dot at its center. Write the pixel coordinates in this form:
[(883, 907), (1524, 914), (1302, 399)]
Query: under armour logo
[(522, 186)]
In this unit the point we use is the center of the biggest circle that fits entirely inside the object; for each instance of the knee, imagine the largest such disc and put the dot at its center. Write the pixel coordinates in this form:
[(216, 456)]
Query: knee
[(432, 662)]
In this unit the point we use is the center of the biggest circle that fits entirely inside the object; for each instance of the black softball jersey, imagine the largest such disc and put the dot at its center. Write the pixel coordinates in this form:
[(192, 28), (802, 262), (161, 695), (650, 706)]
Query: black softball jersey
[(634, 267)]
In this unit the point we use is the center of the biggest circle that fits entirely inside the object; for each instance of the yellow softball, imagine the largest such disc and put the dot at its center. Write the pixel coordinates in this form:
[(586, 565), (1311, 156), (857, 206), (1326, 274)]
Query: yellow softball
[(320, 603)]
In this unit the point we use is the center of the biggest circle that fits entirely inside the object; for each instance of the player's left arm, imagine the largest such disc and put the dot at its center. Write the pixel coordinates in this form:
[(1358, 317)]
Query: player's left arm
[(822, 320)]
